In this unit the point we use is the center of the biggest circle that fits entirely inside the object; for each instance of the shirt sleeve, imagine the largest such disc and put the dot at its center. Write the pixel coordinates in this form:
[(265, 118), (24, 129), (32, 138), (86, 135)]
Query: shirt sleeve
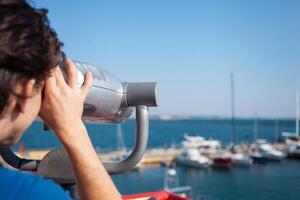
[(24, 186)]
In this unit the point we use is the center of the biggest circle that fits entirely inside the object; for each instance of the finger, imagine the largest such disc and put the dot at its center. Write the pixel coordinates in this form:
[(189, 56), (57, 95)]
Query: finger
[(60, 80), (50, 82), (71, 73), (86, 86)]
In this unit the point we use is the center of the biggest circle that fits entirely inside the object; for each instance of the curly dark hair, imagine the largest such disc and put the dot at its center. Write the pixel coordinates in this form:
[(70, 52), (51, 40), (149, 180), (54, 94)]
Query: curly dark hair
[(29, 47)]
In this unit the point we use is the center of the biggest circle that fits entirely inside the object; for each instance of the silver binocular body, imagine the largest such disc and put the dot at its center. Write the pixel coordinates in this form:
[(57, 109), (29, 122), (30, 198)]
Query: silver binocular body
[(110, 100)]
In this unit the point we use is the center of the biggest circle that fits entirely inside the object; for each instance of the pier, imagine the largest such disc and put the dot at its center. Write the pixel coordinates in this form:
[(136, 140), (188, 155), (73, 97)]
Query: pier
[(152, 157)]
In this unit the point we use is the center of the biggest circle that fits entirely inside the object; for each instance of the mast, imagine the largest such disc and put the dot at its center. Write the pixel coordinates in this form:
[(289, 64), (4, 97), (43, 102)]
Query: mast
[(297, 114), (233, 125), (255, 128), (276, 130)]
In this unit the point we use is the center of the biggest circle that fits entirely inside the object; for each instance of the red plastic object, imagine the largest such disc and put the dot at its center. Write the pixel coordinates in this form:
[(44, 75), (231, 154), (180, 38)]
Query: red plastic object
[(159, 195)]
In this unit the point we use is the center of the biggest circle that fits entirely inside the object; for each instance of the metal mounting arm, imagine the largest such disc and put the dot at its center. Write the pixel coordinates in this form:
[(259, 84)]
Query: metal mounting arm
[(19, 163), (141, 139)]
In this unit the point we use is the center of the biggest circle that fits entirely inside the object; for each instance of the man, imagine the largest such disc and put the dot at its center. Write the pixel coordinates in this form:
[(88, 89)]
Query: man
[(32, 85)]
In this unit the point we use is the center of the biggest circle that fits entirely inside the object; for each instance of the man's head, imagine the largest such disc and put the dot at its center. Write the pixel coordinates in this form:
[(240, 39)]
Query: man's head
[(29, 50)]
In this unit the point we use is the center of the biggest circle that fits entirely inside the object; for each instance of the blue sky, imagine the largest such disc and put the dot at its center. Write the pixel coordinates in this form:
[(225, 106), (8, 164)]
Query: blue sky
[(190, 47)]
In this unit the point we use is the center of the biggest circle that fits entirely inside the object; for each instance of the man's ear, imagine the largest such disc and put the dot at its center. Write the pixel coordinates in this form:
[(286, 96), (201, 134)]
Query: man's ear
[(26, 90)]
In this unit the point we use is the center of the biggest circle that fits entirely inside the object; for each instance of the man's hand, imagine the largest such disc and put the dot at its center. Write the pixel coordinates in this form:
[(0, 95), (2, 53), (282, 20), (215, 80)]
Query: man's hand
[(63, 101), (61, 109)]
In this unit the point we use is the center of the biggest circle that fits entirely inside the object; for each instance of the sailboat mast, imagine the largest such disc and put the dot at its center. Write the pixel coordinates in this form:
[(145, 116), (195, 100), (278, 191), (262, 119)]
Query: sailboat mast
[(232, 109), (255, 127), (276, 130), (297, 114)]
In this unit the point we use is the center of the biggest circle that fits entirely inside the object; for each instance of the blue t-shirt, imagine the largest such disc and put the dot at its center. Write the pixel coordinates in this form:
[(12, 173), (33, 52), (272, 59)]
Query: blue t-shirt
[(25, 186)]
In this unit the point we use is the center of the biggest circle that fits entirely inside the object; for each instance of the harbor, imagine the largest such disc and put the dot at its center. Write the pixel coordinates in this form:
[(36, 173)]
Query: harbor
[(165, 143), (165, 156)]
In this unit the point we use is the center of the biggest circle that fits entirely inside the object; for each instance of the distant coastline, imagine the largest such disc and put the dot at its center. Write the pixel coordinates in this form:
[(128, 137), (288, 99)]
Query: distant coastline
[(213, 117)]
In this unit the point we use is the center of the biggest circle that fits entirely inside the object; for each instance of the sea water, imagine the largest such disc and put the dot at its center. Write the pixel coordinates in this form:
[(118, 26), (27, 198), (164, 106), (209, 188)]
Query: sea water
[(270, 181)]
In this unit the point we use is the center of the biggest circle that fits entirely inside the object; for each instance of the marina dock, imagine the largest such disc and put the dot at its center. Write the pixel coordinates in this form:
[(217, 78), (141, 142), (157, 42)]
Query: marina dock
[(152, 156), (155, 156)]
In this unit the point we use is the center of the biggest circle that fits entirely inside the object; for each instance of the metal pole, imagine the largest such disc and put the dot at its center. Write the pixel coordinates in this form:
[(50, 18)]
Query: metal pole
[(297, 114), (233, 110), (255, 127), (276, 130), (142, 131)]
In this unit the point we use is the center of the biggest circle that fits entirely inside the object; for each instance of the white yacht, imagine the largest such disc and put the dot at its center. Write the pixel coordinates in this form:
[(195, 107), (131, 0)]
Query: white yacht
[(239, 159), (210, 148), (204, 146), (269, 153), (191, 157), (201, 142), (294, 151)]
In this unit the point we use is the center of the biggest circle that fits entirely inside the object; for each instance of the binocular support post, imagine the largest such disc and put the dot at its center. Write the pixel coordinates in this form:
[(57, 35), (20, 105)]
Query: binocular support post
[(141, 138)]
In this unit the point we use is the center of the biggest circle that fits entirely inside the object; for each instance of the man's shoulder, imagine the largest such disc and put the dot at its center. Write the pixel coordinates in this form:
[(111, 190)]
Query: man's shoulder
[(21, 185)]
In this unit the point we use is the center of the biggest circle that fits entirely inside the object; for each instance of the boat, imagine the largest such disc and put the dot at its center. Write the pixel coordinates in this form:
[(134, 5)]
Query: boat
[(191, 157), (255, 153), (263, 151), (235, 158), (238, 156), (242, 160), (294, 151), (269, 153), (293, 147), (171, 191), (292, 140), (158, 195), (211, 149), (201, 142), (293, 136), (205, 147), (222, 161), (257, 157)]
